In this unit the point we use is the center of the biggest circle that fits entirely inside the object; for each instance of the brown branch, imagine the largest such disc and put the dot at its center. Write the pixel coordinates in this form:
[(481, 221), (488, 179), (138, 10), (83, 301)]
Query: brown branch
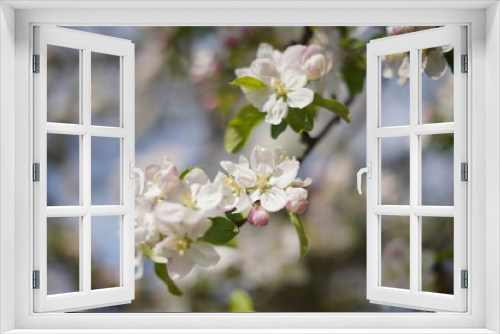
[(311, 142)]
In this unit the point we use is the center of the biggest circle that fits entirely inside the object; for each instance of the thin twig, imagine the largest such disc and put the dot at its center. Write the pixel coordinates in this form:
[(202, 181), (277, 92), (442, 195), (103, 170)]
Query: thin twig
[(311, 142)]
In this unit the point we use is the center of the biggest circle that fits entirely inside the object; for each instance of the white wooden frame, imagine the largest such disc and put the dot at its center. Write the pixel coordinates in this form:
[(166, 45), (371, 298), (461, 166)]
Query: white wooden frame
[(85, 43), (413, 43), (483, 17)]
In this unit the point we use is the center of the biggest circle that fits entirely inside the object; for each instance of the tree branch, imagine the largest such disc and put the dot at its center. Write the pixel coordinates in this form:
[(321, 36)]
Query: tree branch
[(311, 142)]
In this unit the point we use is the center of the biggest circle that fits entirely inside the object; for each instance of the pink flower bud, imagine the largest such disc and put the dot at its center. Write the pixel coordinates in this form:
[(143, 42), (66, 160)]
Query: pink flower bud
[(297, 200), (316, 67), (258, 216), (298, 207)]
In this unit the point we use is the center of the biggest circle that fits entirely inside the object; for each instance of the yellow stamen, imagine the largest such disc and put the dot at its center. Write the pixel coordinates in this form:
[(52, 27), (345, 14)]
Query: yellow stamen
[(279, 87), (261, 181), (180, 245), (188, 201)]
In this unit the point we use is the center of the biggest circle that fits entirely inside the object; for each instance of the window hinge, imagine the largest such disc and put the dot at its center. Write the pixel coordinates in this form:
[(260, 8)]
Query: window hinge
[(465, 279), (465, 64), (36, 63), (36, 279), (36, 172), (464, 171)]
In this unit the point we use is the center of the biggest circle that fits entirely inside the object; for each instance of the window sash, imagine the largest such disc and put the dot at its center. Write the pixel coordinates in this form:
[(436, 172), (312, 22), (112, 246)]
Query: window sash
[(414, 298), (86, 297)]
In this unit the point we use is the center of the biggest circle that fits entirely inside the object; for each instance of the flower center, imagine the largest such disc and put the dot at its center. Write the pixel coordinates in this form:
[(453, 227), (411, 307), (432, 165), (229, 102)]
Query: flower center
[(233, 184), (261, 182), (279, 87), (188, 201), (181, 244)]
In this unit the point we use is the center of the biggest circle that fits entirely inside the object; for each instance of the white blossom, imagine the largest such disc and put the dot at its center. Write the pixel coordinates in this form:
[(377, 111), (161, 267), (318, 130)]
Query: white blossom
[(285, 76), (182, 248), (265, 177)]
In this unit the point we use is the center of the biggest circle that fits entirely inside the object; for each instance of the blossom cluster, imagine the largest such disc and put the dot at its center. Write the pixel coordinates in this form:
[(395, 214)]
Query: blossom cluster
[(397, 66), (284, 77), (176, 209)]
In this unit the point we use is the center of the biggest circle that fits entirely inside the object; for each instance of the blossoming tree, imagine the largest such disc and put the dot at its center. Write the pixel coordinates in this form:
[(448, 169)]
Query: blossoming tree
[(182, 215)]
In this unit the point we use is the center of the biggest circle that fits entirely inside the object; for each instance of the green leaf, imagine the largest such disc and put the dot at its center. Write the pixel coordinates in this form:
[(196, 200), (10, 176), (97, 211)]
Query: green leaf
[(276, 130), (240, 301), (304, 243), (149, 253), (240, 128), (300, 119), (187, 170), (236, 217), (162, 272), (248, 83), (354, 64), (334, 106), (221, 232), (449, 57)]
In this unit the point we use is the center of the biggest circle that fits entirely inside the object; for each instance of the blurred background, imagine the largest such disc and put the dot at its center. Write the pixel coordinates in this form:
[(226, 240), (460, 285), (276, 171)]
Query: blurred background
[(183, 104)]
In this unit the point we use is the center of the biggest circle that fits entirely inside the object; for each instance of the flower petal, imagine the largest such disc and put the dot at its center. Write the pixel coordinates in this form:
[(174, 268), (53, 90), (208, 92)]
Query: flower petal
[(243, 72), (151, 171), (292, 56), (169, 212), (199, 229), (203, 254), (179, 266), (284, 174), (264, 69), (265, 51), (196, 176), (276, 110), (258, 97), (404, 68), (435, 65), (273, 199), (294, 79), (209, 197), (244, 176), (310, 51), (262, 160), (243, 202), (300, 98), (298, 182)]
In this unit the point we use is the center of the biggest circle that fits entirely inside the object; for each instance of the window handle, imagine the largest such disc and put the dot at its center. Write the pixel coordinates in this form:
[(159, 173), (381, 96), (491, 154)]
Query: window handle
[(132, 171), (368, 171)]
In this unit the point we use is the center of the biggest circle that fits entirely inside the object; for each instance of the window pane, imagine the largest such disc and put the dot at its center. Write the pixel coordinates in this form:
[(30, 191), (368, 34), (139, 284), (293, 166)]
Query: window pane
[(105, 252), (63, 254), (105, 171), (437, 84), (105, 89), (395, 171), (395, 89), (63, 84), (437, 254), (63, 170), (437, 169), (395, 251)]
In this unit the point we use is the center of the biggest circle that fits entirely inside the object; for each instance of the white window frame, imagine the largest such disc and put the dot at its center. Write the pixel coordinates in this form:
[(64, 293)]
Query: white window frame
[(483, 20)]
